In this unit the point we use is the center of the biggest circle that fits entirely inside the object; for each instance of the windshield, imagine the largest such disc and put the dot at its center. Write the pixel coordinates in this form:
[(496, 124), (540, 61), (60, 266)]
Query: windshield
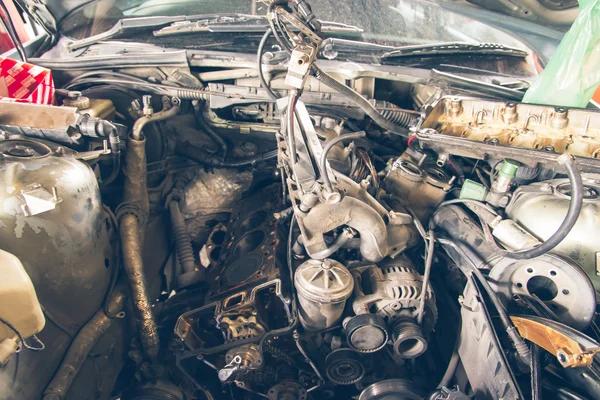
[(390, 22)]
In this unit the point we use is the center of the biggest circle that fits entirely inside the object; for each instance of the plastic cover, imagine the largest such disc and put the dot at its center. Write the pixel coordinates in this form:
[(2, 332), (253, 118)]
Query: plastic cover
[(573, 74)]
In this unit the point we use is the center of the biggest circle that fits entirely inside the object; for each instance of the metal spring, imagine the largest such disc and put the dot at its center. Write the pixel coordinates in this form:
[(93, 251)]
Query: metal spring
[(397, 116)]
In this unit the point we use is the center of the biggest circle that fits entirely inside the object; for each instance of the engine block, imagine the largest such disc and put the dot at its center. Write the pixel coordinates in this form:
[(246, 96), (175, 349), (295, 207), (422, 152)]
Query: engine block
[(248, 294), (524, 132)]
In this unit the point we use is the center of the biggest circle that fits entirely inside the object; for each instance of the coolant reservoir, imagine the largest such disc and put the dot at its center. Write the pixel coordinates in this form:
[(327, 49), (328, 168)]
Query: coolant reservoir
[(19, 305), (52, 220), (541, 207)]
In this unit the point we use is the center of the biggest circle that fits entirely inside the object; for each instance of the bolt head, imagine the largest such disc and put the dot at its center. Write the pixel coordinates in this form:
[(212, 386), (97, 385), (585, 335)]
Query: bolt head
[(333, 197)]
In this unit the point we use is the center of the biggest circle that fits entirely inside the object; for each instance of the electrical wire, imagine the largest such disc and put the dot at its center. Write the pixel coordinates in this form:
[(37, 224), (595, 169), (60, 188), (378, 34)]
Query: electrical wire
[(467, 201), (291, 138), (363, 155), (259, 55), (107, 73), (323, 160), (276, 27), (12, 32), (453, 364), (536, 373), (281, 35), (575, 206), (290, 245), (114, 272), (426, 275), (23, 344)]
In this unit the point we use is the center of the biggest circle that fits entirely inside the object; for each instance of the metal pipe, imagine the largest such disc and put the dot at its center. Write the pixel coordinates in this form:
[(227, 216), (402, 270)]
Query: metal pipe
[(425, 285), (81, 346), (355, 213), (136, 132)]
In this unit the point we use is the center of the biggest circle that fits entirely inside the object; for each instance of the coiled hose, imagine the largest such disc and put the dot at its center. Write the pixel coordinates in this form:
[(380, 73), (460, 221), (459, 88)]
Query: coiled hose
[(185, 252), (183, 245), (360, 101)]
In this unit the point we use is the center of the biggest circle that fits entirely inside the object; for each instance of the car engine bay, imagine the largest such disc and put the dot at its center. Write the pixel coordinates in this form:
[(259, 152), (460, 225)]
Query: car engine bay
[(285, 228)]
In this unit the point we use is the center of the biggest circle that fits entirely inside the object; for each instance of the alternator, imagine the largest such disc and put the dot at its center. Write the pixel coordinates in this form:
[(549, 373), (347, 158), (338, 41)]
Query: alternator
[(392, 293)]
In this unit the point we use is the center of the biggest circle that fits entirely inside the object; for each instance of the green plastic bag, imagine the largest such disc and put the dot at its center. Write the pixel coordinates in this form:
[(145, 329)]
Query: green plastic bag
[(573, 74)]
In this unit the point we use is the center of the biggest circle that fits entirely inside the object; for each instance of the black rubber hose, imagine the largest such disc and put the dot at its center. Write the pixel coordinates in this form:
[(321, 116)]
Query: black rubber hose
[(115, 149), (328, 146), (575, 205), (261, 76), (536, 373), (453, 363), (360, 101), (183, 243), (274, 21), (203, 125), (212, 160)]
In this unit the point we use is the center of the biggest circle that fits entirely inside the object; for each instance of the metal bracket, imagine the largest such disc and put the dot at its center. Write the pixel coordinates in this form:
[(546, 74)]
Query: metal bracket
[(571, 347), (92, 155), (299, 24), (37, 200)]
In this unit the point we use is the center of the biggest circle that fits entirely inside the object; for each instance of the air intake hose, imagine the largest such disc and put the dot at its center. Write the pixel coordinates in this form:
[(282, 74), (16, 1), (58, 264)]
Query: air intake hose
[(360, 101)]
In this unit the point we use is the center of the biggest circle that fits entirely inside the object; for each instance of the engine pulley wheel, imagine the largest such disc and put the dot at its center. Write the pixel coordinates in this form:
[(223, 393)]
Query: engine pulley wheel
[(557, 281), (344, 367), (391, 389), (408, 339), (287, 390), (366, 333)]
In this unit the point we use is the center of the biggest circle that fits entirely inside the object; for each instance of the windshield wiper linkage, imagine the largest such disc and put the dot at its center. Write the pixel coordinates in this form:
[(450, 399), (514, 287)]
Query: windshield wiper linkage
[(132, 24), (240, 23), (125, 24), (196, 23)]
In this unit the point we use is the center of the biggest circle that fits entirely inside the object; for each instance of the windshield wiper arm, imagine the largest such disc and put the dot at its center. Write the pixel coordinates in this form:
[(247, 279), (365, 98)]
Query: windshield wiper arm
[(460, 82), (332, 46), (182, 24), (239, 23), (216, 23), (132, 24), (125, 24), (452, 48)]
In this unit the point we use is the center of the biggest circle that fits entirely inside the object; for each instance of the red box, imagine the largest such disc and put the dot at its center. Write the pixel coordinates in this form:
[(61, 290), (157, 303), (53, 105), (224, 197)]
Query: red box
[(24, 82)]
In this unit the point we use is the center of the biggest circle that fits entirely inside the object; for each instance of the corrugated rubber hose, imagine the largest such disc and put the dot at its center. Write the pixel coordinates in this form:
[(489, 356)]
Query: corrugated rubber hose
[(360, 101)]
